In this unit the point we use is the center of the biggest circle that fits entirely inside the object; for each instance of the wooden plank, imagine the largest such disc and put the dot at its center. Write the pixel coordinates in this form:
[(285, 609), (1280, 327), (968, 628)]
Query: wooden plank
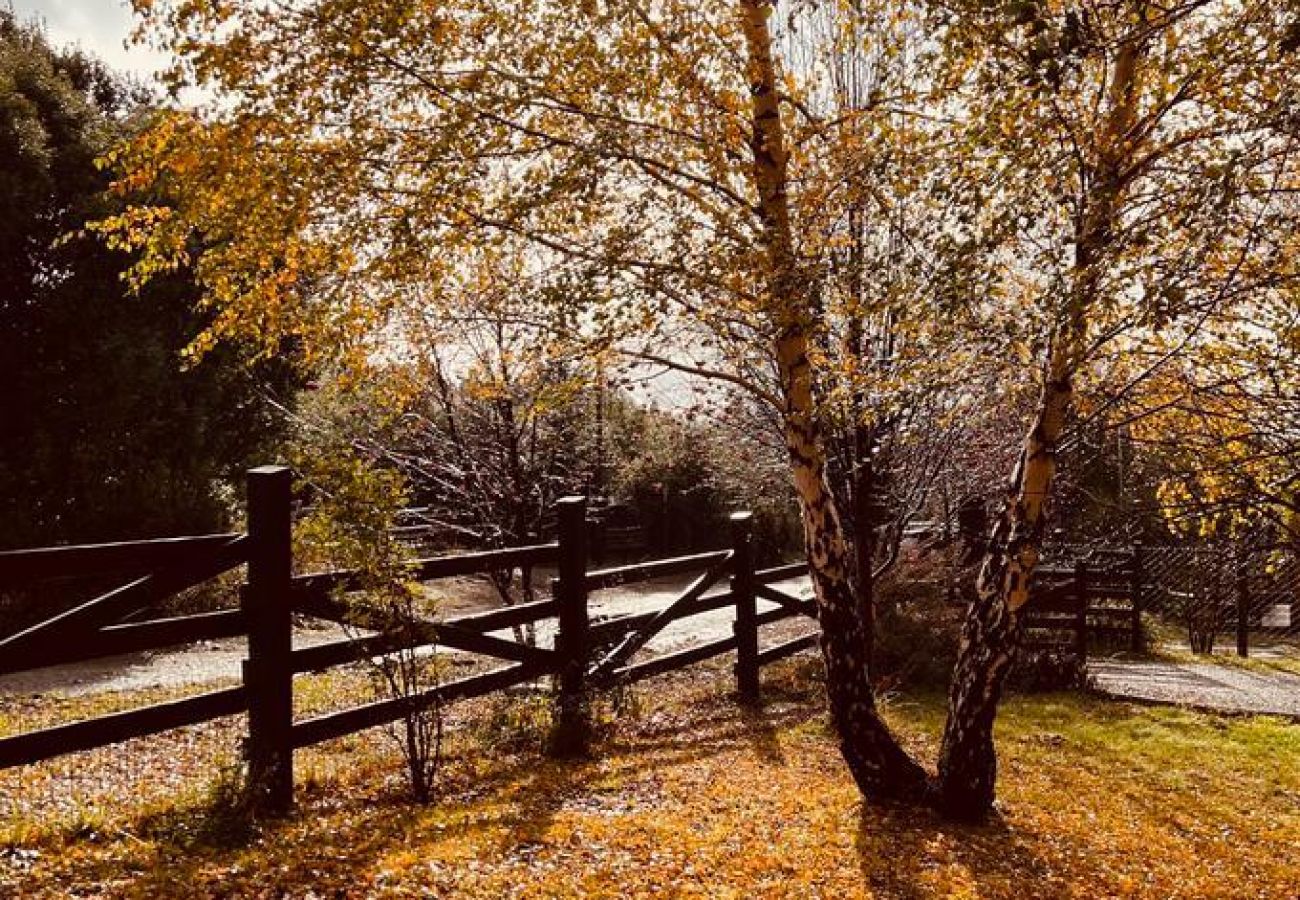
[(80, 622), (34, 746), (1063, 646), (787, 601), (484, 561), (320, 604), (1053, 602), (745, 626), (670, 613), (458, 638), (334, 653), (507, 617), (337, 653), (781, 613), (571, 711), (435, 567), (781, 573), (134, 637), (671, 661), (381, 712), (600, 579), (208, 626), (125, 557), (267, 609), (787, 648)]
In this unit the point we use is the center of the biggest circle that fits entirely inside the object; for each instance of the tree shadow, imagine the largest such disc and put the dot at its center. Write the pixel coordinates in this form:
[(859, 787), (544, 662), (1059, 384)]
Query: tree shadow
[(761, 729), (520, 795), (903, 852), (509, 801)]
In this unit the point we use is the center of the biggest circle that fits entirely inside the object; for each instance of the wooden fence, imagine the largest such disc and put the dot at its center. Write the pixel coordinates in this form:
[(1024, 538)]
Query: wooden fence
[(586, 655), (1098, 598), (1100, 593)]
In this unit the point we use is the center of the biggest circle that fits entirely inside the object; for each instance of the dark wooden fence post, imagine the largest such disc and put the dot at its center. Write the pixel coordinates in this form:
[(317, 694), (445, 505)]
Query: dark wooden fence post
[(745, 627), (1243, 611), (571, 722), (1081, 610), (1139, 578), (268, 676)]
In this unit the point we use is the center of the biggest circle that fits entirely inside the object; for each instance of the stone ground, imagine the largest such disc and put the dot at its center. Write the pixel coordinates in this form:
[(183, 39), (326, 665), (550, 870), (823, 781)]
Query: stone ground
[(1203, 685)]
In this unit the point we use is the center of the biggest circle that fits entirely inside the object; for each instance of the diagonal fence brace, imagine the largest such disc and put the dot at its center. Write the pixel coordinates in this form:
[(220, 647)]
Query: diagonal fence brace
[(604, 669)]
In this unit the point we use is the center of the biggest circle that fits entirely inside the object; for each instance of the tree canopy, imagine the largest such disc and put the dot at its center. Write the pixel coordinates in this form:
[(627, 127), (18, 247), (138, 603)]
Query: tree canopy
[(104, 436)]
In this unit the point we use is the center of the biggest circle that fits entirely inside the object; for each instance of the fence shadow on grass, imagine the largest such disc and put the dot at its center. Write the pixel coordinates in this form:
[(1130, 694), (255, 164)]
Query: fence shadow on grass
[(340, 830)]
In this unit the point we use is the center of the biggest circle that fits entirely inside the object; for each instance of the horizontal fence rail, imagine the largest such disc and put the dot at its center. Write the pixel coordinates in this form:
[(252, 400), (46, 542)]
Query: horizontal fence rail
[(19, 567), (431, 568), (34, 746), (381, 712), (585, 655), (87, 630), (130, 637), (602, 579)]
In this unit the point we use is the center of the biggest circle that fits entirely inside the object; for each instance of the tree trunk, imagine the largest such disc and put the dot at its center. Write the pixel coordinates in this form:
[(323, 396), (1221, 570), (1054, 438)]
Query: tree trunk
[(991, 631), (864, 530), (881, 768)]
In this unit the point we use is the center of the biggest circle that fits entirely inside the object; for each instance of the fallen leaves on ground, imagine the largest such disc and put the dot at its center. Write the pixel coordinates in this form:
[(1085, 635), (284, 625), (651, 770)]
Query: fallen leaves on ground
[(692, 797)]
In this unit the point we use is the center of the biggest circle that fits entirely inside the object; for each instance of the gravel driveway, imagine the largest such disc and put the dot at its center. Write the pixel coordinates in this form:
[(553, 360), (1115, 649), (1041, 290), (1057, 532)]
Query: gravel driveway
[(1200, 685)]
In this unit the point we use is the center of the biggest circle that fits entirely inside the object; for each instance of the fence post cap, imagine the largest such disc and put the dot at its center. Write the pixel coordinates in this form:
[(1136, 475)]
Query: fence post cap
[(267, 471)]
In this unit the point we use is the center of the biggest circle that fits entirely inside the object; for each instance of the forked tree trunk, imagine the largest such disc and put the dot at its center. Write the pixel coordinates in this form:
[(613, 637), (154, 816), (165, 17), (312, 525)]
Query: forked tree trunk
[(879, 765), (991, 632), (882, 769)]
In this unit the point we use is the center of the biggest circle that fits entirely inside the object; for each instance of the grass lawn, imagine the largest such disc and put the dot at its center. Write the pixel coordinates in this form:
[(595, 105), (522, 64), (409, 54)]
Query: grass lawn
[(689, 796)]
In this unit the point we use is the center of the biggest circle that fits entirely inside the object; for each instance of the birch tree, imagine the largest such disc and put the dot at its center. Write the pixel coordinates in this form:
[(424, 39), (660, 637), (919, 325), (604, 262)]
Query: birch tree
[(700, 169), (1133, 156)]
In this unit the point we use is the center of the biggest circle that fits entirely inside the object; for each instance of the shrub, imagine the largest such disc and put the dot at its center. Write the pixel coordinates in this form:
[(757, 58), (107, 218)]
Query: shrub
[(515, 721), (1047, 670), (917, 633), (918, 630)]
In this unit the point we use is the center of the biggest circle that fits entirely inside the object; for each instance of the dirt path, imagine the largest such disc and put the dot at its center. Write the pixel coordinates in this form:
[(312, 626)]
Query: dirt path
[(215, 661), (1202, 685)]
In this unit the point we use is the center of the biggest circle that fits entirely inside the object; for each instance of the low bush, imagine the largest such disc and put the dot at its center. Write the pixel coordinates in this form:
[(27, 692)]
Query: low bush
[(1047, 670), (916, 639), (918, 630)]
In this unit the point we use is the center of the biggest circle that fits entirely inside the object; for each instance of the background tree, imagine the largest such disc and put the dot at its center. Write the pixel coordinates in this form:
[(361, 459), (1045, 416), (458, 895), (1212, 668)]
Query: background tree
[(104, 435), (484, 419), (1127, 159)]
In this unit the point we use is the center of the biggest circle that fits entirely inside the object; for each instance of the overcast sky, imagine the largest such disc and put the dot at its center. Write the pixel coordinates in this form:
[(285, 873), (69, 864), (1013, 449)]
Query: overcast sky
[(99, 26)]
